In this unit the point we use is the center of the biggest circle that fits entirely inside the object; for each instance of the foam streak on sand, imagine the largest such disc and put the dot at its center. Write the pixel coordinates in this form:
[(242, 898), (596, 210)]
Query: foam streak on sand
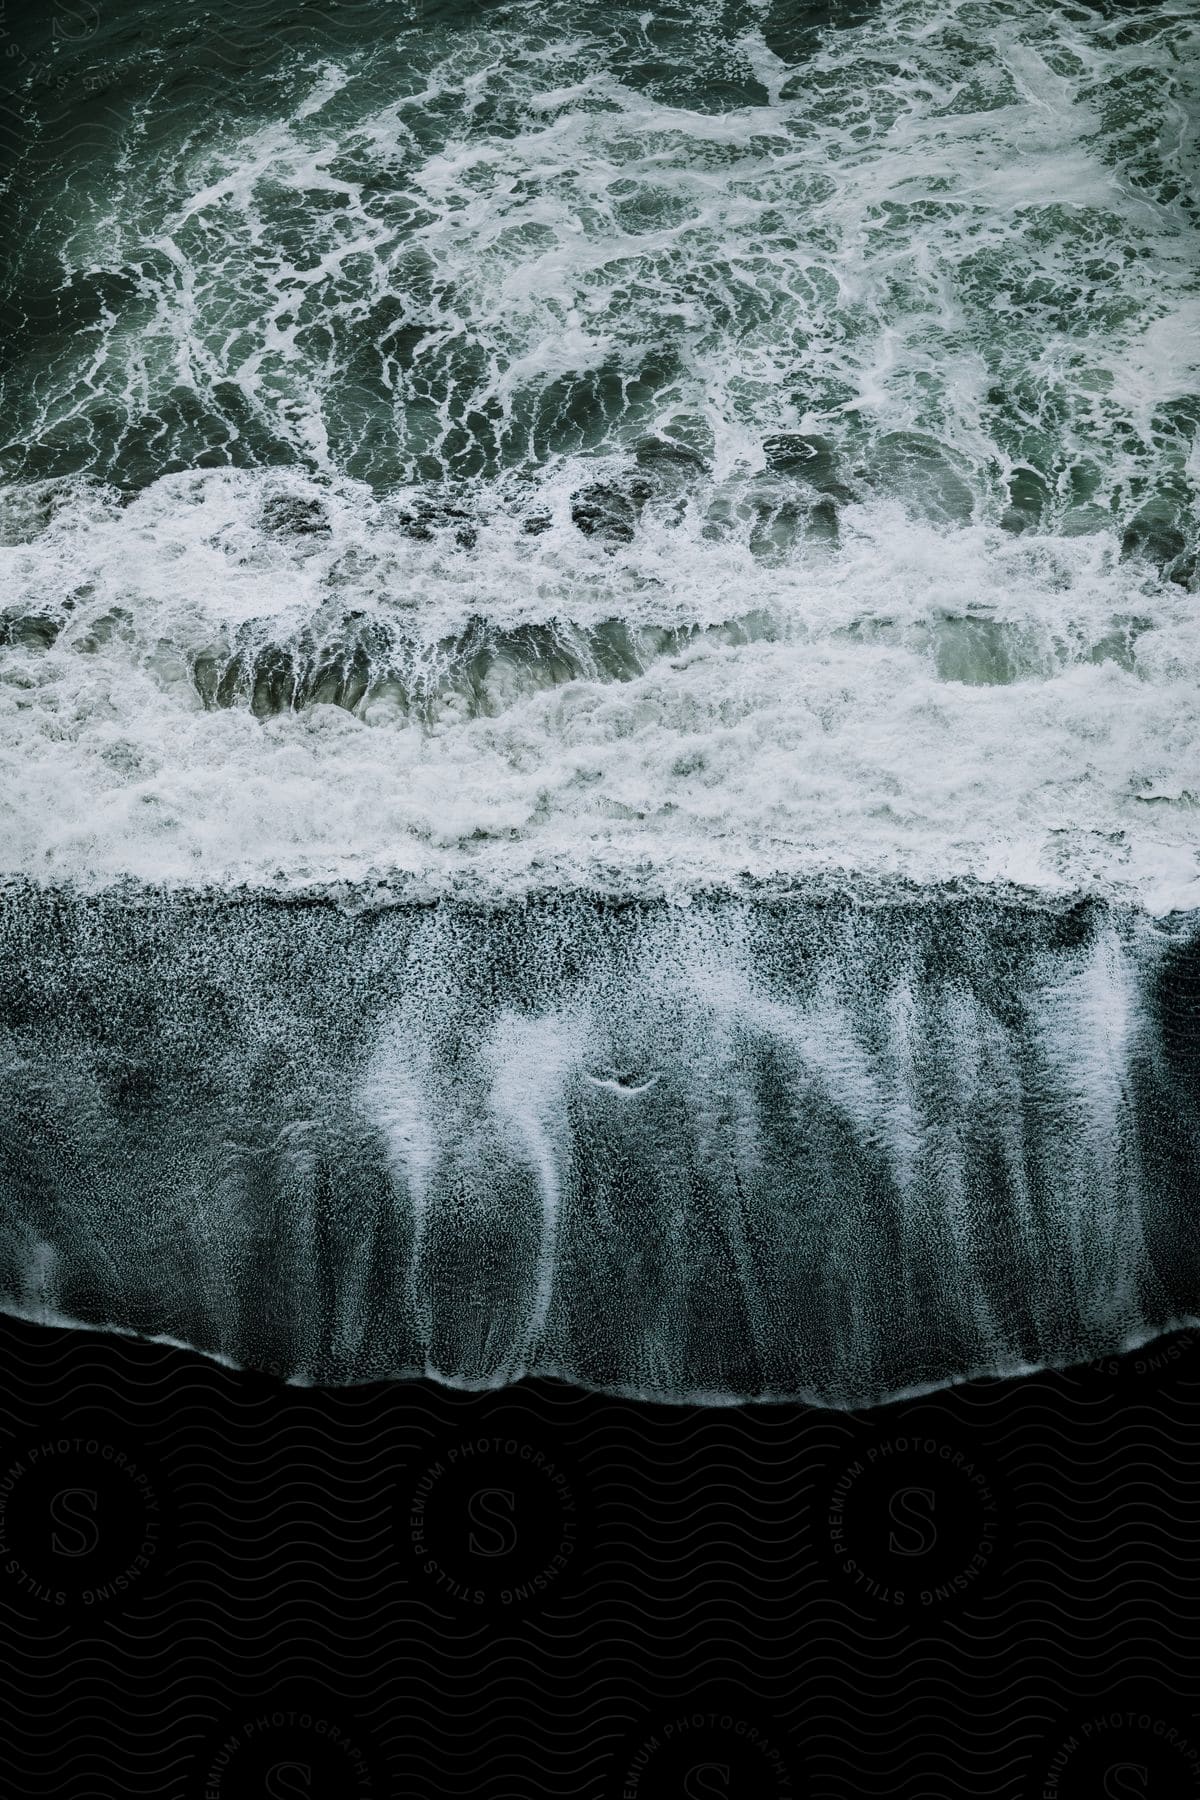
[(826, 1145)]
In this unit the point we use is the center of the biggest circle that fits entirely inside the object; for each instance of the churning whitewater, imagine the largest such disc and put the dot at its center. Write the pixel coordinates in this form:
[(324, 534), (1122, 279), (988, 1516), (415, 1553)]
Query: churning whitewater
[(599, 724)]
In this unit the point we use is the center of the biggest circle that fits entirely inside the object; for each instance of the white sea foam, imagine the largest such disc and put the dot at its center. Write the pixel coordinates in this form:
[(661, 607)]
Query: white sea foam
[(931, 258), (924, 701)]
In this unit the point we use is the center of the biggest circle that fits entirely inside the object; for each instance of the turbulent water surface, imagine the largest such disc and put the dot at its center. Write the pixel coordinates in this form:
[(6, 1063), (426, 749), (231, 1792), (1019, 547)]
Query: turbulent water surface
[(610, 595)]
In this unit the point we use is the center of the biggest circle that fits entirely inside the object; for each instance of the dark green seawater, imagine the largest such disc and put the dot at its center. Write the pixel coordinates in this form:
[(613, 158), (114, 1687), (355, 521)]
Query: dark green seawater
[(711, 438)]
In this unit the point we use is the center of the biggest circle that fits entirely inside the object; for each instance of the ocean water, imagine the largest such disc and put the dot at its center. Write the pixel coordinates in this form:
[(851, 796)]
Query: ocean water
[(630, 578)]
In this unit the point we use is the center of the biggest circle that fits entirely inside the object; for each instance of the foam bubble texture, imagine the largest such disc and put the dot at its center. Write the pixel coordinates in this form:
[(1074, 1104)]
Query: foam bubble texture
[(639, 449)]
